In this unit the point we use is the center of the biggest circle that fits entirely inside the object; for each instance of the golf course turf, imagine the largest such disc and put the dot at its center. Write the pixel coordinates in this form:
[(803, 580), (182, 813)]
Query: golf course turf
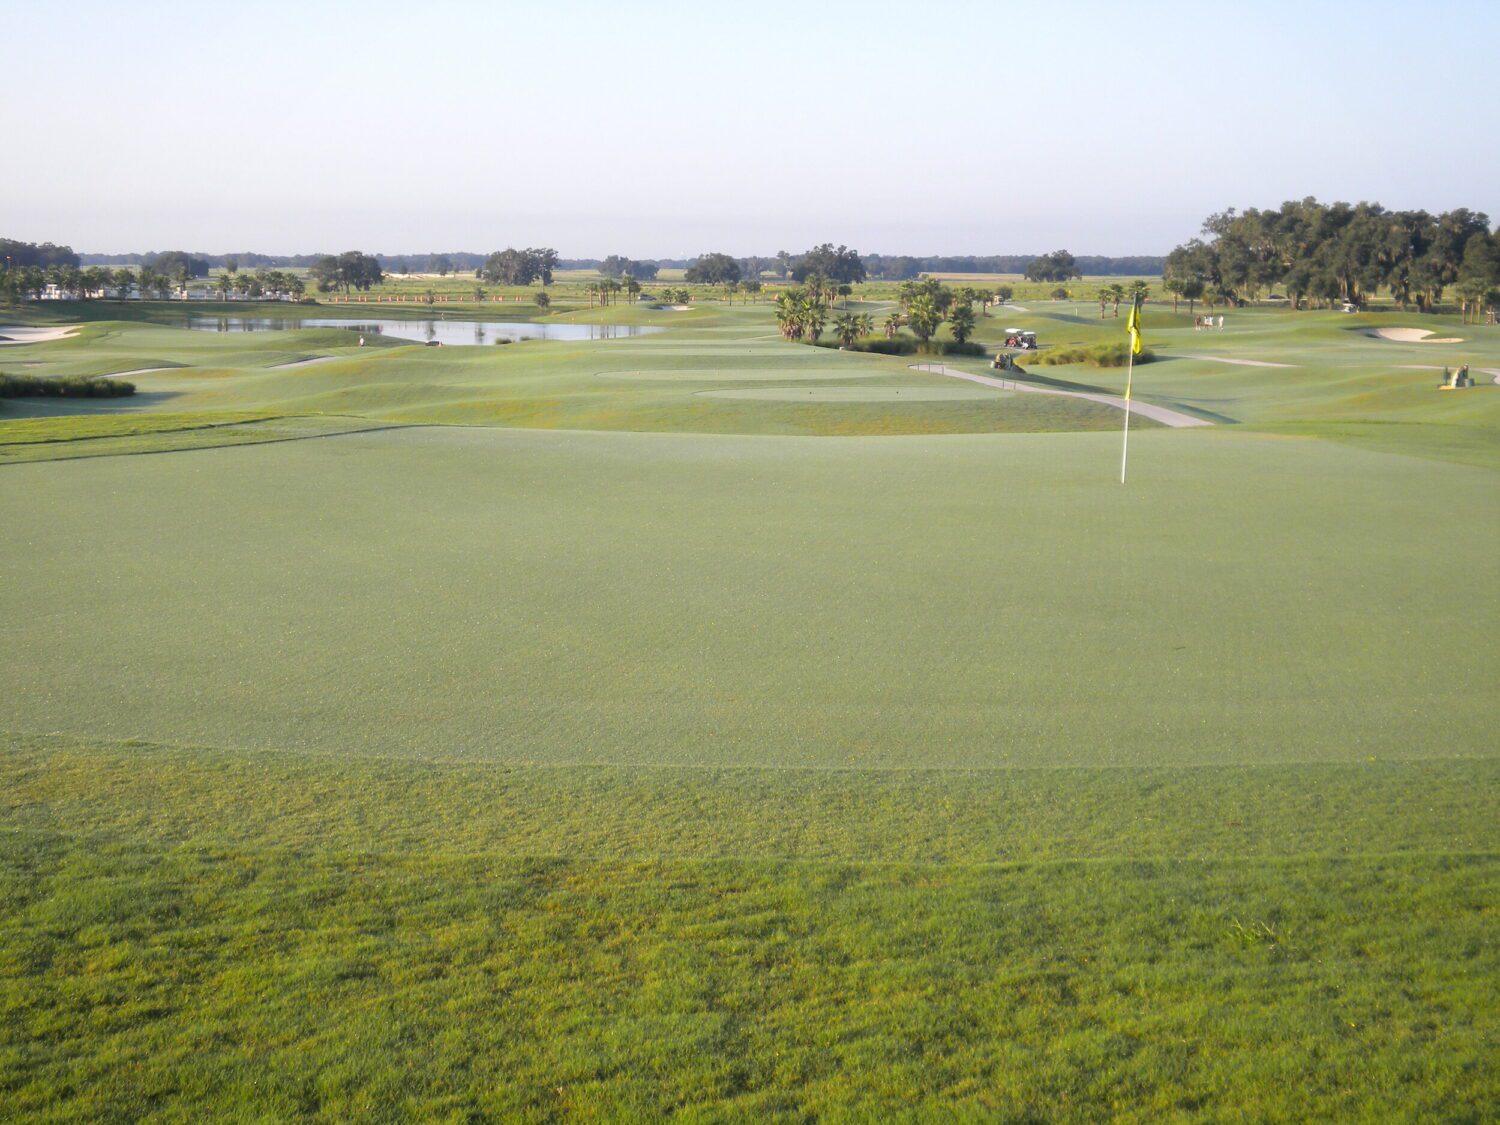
[(701, 723)]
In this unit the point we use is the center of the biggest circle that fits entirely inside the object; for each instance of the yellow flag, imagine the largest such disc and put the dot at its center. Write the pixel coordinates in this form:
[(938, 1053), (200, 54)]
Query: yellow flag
[(1133, 326)]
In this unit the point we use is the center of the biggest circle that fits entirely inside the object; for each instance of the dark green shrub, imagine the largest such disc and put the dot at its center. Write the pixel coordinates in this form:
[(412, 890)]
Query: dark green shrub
[(74, 386), (1100, 355)]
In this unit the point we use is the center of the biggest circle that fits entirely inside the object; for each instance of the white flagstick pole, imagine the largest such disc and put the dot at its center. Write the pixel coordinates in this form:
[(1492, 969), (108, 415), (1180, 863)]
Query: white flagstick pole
[(1125, 443)]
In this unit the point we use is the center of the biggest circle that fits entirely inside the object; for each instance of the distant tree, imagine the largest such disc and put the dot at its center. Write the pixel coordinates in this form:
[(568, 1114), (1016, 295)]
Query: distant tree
[(519, 267), (440, 264), (618, 266), (543, 301), (845, 291), (1117, 294), (783, 264), (961, 322), (1139, 291), (544, 260), (1103, 295), (1192, 289), (712, 269), (632, 289), (509, 267), (231, 264), (892, 324), (752, 286), (178, 265), (1004, 293), (1061, 293), (224, 285), (837, 264), (1056, 266)]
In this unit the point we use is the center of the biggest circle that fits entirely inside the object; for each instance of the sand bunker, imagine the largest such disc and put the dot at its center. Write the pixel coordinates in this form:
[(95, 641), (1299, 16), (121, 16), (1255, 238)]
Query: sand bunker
[(19, 335), (854, 394), (737, 374), (1413, 336)]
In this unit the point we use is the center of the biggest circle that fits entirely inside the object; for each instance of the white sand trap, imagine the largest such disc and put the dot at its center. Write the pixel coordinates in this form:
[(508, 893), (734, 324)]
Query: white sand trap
[(1413, 336), (1239, 362), (737, 374), (853, 394), (672, 308), (19, 335)]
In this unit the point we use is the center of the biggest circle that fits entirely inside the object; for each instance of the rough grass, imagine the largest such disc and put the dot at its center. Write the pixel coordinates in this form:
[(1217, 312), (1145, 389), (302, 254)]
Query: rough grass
[(159, 957), (72, 437)]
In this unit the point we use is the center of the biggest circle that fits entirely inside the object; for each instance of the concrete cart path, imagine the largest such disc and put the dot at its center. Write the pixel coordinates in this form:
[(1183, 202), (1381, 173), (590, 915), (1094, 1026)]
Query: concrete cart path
[(1167, 417)]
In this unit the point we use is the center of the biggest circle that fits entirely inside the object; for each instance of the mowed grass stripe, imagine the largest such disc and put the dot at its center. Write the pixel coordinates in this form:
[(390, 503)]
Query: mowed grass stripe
[(350, 803)]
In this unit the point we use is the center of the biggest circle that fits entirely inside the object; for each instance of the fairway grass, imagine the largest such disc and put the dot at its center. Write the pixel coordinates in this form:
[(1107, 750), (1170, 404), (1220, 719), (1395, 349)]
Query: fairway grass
[(707, 725)]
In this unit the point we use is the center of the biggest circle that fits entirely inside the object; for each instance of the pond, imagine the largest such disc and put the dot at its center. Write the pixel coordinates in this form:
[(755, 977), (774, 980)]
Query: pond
[(446, 332)]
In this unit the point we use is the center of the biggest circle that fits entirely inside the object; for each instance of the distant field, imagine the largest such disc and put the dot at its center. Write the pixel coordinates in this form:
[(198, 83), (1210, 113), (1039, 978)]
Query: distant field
[(578, 741)]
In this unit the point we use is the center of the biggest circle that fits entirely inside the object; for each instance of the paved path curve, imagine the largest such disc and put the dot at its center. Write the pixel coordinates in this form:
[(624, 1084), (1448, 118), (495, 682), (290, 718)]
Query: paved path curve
[(1174, 418)]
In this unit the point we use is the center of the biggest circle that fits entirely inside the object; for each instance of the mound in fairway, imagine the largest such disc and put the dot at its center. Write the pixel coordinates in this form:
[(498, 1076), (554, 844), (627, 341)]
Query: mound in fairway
[(729, 374), (854, 394)]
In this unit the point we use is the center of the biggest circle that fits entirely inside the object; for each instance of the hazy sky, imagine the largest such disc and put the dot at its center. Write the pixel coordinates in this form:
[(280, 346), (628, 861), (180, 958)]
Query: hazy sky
[(667, 129)]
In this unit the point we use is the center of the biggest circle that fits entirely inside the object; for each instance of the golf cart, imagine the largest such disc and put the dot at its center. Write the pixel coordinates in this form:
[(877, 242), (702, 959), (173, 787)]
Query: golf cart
[(1020, 338)]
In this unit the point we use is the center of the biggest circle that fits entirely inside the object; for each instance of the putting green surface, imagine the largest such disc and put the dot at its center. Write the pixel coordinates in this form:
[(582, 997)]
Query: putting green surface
[(627, 750)]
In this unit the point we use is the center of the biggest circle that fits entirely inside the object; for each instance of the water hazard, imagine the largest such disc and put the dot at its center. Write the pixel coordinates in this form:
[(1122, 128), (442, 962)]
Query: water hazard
[(449, 333)]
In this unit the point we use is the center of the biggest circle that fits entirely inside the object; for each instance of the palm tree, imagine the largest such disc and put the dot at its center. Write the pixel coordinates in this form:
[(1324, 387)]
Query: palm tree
[(632, 287), (892, 323), (924, 316), (961, 321), (222, 286), (846, 329), (813, 316), (845, 291), (730, 289), (1139, 291), (1104, 296), (592, 289), (1173, 285), (788, 307), (1117, 294), (866, 324)]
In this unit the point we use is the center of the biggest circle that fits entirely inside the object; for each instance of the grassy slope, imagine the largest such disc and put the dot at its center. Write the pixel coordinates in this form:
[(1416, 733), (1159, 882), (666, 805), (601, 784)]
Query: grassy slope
[(1263, 886)]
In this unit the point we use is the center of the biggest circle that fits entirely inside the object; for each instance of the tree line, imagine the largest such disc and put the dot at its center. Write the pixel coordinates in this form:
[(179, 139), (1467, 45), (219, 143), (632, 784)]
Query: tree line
[(519, 267), (1324, 253)]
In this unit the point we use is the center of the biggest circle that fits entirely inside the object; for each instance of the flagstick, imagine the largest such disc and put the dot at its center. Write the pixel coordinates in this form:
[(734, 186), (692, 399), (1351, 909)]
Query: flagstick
[(1125, 442)]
